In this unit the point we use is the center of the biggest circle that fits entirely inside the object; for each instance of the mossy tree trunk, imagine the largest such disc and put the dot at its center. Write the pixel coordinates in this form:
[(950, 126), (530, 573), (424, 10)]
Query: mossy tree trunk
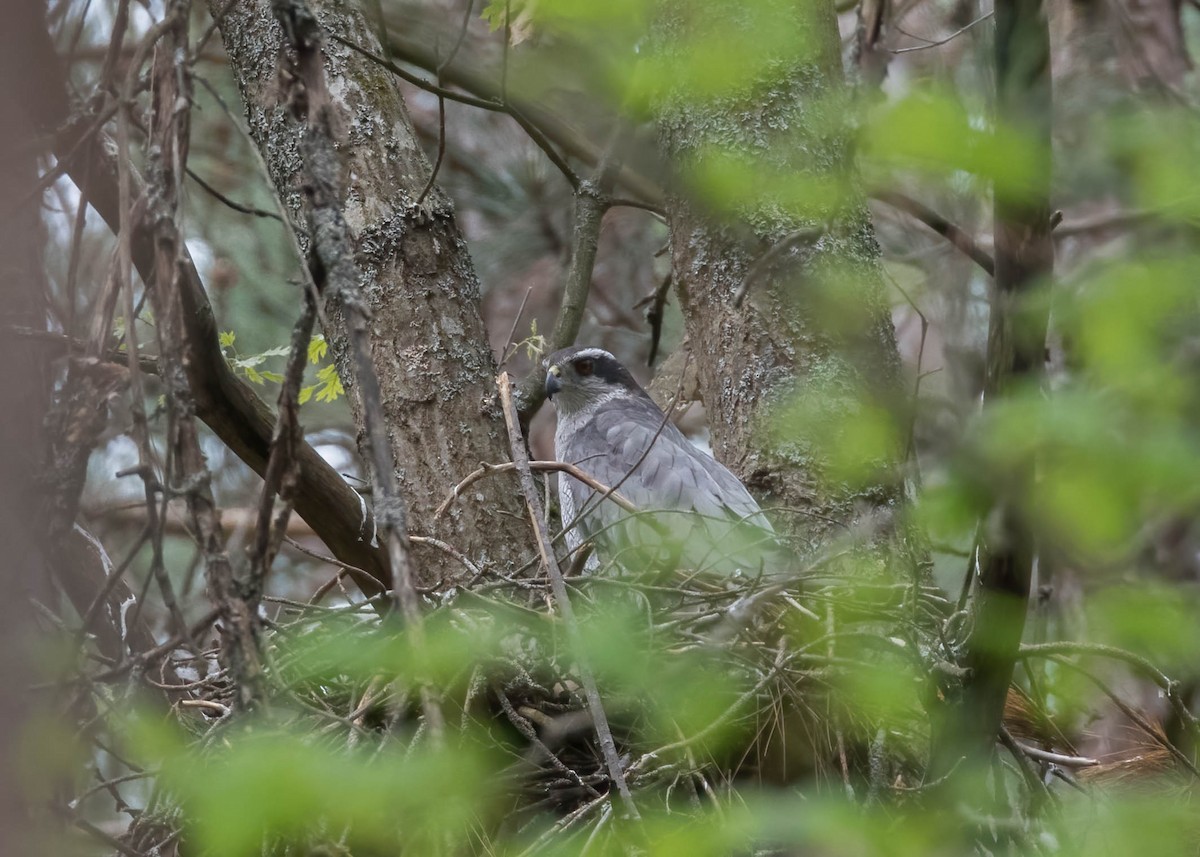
[(814, 308), (427, 337)]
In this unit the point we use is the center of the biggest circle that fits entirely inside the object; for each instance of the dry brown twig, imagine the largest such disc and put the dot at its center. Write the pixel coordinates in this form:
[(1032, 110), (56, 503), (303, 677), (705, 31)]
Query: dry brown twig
[(1136, 718), (486, 469), (283, 467), (559, 587)]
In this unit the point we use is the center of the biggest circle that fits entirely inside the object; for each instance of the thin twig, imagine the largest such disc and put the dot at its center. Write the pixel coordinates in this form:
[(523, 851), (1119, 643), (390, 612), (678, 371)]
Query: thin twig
[(441, 149), (655, 304), (717, 723), (283, 468), (558, 586), (542, 466), (953, 233), (535, 133), (1169, 686), (526, 728), (1055, 758), (1136, 718), (933, 44), (364, 577), (419, 82), (452, 552), (143, 658), (236, 206)]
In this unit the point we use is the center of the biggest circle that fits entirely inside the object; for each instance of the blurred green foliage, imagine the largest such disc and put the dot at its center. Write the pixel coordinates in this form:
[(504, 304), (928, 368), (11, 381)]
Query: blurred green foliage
[(809, 733)]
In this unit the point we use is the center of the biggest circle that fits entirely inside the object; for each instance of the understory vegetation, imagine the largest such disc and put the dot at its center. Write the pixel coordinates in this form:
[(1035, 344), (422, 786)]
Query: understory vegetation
[(923, 275)]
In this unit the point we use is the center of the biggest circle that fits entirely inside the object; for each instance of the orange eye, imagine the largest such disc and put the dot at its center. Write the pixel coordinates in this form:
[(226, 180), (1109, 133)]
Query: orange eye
[(584, 367)]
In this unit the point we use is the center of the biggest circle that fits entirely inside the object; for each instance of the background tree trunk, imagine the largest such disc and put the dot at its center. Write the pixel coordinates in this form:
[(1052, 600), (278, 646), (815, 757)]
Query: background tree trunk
[(427, 337), (752, 355)]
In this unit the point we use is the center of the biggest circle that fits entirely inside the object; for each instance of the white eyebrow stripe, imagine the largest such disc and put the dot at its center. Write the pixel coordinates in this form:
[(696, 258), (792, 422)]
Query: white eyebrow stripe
[(593, 353)]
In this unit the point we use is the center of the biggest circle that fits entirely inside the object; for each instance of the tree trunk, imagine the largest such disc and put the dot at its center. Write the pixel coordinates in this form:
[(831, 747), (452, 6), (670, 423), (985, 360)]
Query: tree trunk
[(755, 353), (23, 565), (427, 336)]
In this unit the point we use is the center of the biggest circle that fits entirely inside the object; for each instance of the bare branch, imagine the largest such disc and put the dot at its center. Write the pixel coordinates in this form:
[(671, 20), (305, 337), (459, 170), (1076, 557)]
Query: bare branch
[(1016, 355), (545, 466), (559, 587), (953, 233), (169, 145)]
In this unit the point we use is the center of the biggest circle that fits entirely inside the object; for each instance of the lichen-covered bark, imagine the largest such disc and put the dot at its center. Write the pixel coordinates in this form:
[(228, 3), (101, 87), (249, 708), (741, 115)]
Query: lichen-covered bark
[(749, 357), (427, 337)]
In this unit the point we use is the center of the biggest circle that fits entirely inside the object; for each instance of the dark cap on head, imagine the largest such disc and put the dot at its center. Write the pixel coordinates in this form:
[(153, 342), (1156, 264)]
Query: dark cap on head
[(581, 362)]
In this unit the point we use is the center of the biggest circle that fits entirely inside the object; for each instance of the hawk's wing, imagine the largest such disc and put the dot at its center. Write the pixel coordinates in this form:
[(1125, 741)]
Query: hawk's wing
[(702, 507)]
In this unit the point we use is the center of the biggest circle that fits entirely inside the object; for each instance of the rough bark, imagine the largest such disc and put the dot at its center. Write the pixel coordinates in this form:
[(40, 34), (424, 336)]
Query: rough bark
[(427, 337), (753, 354)]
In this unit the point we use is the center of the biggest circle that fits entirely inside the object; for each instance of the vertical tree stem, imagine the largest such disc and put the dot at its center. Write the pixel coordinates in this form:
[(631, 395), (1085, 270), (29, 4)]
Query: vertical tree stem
[(558, 586), (1016, 357)]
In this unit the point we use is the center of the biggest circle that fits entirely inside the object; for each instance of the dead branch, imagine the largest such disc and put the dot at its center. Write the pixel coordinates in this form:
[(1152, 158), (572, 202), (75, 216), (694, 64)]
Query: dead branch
[(592, 200), (1151, 732), (1016, 355), (952, 232), (1169, 686), (544, 127), (559, 587), (283, 467), (169, 143), (227, 404), (542, 466)]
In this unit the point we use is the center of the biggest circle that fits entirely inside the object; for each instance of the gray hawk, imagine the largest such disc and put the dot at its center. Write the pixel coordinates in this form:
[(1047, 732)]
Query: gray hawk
[(692, 512)]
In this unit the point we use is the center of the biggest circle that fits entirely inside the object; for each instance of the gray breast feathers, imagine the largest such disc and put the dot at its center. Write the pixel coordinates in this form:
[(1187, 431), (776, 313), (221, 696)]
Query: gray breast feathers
[(693, 512)]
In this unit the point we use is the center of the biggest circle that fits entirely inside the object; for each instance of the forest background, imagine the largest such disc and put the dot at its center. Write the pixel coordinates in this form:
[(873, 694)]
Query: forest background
[(283, 567)]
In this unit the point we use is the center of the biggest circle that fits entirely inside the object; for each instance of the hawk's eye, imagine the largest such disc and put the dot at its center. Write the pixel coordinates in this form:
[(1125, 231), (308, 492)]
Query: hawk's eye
[(584, 367)]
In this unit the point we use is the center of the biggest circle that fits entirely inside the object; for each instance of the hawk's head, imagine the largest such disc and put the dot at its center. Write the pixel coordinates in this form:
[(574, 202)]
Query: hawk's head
[(579, 377)]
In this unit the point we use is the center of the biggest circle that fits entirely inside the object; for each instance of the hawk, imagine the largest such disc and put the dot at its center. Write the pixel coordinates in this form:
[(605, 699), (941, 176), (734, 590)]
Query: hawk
[(692, 512)]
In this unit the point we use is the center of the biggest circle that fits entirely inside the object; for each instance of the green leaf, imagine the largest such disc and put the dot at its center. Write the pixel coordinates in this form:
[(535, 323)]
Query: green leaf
[(306, 393), (252, 375), (275, 377), (298, 788), (317, 349), (493, 13), (331, 385), (227, 338)]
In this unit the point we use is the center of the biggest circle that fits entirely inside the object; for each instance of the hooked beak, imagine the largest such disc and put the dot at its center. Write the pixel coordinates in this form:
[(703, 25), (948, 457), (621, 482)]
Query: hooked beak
[(553, 385)]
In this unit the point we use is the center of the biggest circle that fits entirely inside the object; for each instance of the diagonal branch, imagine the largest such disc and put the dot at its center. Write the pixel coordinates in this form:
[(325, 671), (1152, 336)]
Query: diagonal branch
[(952, 232), (226, 404), (543, 126), (558, 586)]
